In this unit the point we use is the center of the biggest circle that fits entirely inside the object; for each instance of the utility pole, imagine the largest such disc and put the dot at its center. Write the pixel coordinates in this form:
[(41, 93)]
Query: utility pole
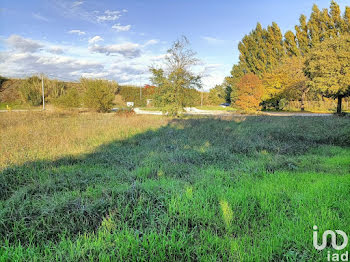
[(140, 89), (42, 87), (201, 98)]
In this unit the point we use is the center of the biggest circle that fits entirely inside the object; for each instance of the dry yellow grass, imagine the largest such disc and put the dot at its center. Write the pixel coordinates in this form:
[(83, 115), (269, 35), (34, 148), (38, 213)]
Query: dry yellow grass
[(30, 136)]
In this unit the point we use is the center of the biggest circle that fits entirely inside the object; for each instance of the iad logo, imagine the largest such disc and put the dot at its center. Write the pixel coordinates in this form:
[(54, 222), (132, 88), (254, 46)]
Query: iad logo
[(335, 256)]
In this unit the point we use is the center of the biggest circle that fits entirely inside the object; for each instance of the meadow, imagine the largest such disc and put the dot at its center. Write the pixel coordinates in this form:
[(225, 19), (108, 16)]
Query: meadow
[(108, 187)]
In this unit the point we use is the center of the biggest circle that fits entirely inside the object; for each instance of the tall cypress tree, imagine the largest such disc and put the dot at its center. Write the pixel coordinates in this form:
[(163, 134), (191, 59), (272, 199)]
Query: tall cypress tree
[(302, 35), (337, 20), (290, 44), (314, 26), (262, 50), (252, 55), (327, 24), (346, 19), (274, 43)]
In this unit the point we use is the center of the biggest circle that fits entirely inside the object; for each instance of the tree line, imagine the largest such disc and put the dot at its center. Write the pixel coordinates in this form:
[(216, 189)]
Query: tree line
[(314, 59)]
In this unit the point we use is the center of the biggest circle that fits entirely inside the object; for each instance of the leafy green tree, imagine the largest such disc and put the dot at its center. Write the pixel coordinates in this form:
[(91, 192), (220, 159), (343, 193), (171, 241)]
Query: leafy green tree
[(337, 22), (315, 25), (31, 91), (177, 77), (302, 35), (275, 49), (295, 80), (131, 93), (328, 68), (70, 99), (290, 44), (217, 95), (274, 84), (237, 72), (54, 89), (286, 81), (346, 19), (228, 91), (251, 48), (264, 51), (99, 94)]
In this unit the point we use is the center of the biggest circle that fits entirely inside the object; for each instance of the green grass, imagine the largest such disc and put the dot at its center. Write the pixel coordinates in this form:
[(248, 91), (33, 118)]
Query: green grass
[(220, 108), (203, 189), (151, 108), (14, 105)]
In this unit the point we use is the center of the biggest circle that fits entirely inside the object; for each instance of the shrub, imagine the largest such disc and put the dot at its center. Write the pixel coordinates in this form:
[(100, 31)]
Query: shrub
[(126, 112), (54, 89), (132, 94), (2, 80), (250, 91), (31, 91), (99, 94), (68, 100)]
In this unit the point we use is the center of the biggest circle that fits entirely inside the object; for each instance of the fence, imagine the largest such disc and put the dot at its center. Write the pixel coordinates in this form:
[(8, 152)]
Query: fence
[(322, 105)]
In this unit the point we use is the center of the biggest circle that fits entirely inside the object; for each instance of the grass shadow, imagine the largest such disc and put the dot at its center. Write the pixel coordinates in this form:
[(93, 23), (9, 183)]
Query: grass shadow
[(136, 181)]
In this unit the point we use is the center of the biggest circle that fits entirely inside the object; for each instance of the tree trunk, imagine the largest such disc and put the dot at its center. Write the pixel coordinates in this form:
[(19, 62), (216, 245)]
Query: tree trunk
[(302, 103), (303, 98), (339, 104)]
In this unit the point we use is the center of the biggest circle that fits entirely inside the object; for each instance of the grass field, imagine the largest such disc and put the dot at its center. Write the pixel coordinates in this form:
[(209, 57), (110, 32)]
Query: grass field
[(88, 187), (220, 108), (14, 105)]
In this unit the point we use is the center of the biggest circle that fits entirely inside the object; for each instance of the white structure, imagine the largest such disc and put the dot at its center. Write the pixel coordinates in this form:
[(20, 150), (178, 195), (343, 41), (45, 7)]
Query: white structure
[(130, 104)]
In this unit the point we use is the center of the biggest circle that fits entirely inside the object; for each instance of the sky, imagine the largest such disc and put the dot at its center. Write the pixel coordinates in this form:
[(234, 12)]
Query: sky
[(120, 39)]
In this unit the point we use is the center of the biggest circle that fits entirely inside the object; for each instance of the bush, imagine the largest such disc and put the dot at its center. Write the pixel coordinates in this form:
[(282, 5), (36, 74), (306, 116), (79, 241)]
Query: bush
[(99, 94), (250, 91), (54, 89), (126, 112), (132, 94), (68, 100), (31, 91), (2, 80)]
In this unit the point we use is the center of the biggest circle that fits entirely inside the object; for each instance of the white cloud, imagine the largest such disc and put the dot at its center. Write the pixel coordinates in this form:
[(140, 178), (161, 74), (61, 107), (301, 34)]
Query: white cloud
[(125, 62), (95, 39), (109, 12), (213, 74), (109, 16), (212, 40), (128, 50), (55, 50), (18, 64), (94, 75), (71, 62), (159, 57), (151, 42), (23, 44), (77, 3), (67, 9), (40, 17), (129, 69), (75, 31), (121, 28), (212, 67)]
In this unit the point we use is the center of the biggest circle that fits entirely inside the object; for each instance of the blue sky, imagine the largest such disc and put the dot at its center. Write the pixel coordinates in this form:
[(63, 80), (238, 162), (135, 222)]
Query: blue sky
[(120, 39)]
